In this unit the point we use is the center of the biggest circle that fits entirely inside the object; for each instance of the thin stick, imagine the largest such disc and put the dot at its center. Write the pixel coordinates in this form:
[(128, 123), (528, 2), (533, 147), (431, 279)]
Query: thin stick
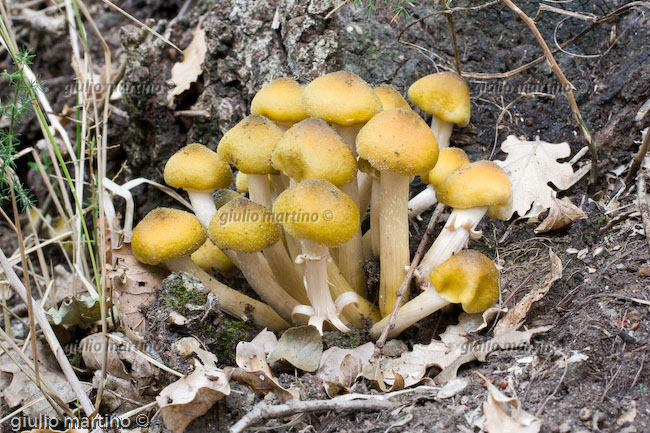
[(263, 412), (28, 291), (407, 279), (452, 32), (567, 86), (638, 158), (53, 342)]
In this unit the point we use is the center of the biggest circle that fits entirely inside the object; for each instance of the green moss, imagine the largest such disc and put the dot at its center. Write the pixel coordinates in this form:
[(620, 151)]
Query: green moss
[(602, 221), (348, 340), (229, 333), (177, 297), (589, 239)]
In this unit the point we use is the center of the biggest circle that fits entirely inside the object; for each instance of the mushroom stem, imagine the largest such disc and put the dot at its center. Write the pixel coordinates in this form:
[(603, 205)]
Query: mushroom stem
[(203, 206), (323, 307), (442, 131), (283, 268), (423, 305), (351, 253), (259, 190), (374, 218), (394, 237), (452, 239), (231, 301), (365, 182), (257, 273), (349, 135), (421, 202), (356, 313)]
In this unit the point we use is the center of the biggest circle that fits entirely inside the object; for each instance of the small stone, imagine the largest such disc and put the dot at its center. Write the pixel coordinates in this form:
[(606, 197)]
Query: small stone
[(464, 400), (585, 414), (565, 428), (394, 348)]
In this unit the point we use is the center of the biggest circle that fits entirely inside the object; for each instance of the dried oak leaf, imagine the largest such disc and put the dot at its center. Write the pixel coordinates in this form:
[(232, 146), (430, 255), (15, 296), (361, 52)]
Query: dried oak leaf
[(531, 165), (186, 72), (192, 396)]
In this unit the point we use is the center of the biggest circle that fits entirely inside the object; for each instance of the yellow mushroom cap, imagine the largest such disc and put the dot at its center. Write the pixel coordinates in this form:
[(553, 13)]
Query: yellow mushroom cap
[(311, 149), (280, 101), (468, 278), (341, 98), (390, 98), (195, 167), (222, 196), (241, 182), (444, 95), (166, 234), (398, 140), (243, 225), (318, 211), (210, 256), (248, 144), (481, 183), (450, 159)]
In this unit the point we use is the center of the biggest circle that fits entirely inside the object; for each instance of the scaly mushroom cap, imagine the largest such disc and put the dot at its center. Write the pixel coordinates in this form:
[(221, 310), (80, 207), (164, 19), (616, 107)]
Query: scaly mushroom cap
[(450, 159), (280, 101), (195, 167), (318, 211), (467, 278), (243, 225), (166, 234), (481, 183), (210, 256), (248, 144), (311, 149), (241, 182), (390, 98), (398, 140), (341, 98), (444, 95)]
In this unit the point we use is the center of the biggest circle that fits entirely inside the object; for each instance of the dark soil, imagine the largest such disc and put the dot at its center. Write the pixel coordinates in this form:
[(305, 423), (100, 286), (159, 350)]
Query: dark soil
[(591, 307)]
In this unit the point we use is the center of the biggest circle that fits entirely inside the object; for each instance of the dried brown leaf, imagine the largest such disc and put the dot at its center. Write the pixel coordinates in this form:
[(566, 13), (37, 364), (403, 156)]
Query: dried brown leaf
[(301, 347), (135, 285), (186, 72), (515, 317), (561, 214), (504, 414), (339, 368), (192, 396)]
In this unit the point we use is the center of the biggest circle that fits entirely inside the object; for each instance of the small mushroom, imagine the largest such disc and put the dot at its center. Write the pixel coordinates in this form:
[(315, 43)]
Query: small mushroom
[(468, 278), (248, 228), (390, 98), (450, 159), (472, 191), (280, 101), (399, 144), (169, 236), (322, 216), (444, 95), (199, 171), (241, 182)]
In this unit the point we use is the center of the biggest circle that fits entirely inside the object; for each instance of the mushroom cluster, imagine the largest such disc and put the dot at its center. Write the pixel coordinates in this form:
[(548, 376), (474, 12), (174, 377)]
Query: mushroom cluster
[(314, 162)]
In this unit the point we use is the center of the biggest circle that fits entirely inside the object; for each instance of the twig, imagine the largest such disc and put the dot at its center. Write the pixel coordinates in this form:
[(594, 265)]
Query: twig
[(642, 198), (567, 85), (452, 32), (548, 397), (616, 221), (616, 296), (407, 279), (638, 158), (264, 411)]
